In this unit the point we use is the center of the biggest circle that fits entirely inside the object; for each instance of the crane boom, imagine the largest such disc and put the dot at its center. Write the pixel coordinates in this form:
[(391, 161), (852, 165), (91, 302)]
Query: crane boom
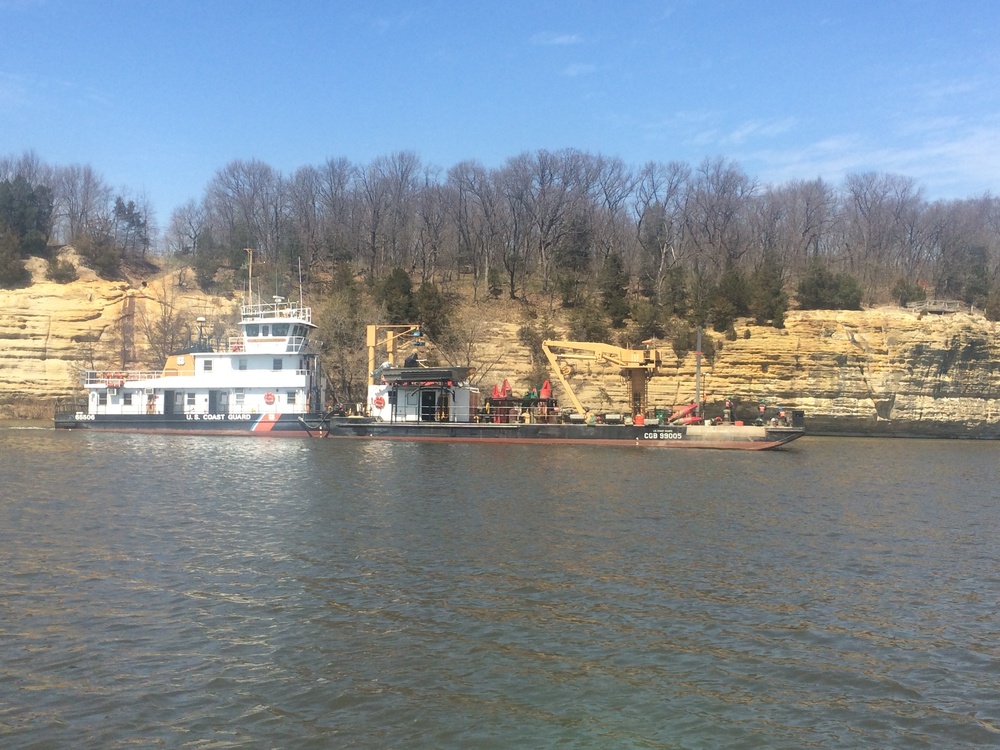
[(637, 366)]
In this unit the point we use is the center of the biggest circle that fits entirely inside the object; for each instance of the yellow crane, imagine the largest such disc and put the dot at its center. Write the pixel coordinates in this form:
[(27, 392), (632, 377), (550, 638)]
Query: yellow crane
[(637, 366), (386, 336)]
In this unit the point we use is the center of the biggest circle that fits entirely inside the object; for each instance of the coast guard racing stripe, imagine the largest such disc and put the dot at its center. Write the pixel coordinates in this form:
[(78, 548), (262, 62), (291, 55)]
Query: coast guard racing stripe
[(265, 423)]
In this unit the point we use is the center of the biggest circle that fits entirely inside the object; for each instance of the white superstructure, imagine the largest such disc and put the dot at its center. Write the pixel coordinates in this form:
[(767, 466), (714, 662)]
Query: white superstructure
[(267, 368)]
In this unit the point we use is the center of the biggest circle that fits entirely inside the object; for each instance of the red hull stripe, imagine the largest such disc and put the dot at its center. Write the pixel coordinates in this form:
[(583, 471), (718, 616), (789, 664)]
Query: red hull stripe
[(265, 423)]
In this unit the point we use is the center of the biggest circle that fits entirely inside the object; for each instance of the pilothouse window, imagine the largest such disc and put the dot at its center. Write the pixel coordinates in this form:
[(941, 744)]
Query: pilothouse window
[(280, 329), (253, 329)]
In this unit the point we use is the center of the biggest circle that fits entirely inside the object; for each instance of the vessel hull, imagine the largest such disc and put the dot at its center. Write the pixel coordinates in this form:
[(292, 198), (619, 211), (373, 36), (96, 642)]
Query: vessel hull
[(721, 437)]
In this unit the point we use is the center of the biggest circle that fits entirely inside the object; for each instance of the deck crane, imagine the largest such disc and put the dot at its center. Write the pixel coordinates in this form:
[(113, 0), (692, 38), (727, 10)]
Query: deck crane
[(637, 366), (387, 337)]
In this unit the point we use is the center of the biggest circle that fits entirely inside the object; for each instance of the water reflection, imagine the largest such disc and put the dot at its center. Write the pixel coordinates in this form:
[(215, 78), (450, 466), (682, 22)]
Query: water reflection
[(163, 590)]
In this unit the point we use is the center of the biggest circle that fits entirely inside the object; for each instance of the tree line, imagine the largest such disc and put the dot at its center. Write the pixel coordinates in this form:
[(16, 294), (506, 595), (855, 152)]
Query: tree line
[(583, 231), (44, 206)]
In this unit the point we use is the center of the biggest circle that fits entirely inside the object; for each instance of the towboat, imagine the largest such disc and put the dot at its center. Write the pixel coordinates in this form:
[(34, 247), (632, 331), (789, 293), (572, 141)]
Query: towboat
[(264, 381)]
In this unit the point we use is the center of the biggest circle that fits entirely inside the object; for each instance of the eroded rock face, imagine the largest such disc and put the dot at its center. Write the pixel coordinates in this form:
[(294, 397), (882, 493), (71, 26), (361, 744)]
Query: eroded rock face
[(47, 332), (51, 333), (880, 371)]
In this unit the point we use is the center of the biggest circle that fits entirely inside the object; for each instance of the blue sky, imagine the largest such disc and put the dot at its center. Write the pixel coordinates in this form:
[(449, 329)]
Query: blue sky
[(159, 95)]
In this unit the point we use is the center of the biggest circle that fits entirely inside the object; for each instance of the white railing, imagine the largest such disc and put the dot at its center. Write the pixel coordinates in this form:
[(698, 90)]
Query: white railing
[(115, 378), (276, 310)]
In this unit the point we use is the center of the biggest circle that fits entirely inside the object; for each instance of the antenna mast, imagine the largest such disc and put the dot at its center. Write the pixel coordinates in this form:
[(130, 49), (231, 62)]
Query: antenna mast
[(249, 251)]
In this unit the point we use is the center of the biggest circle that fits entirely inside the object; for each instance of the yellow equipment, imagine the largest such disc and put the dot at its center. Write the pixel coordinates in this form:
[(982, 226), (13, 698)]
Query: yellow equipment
[(388, 340), (637, 366)]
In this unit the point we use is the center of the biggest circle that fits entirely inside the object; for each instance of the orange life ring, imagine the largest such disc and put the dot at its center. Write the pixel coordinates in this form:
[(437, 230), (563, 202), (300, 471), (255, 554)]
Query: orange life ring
[(378, 402), (268, 398)]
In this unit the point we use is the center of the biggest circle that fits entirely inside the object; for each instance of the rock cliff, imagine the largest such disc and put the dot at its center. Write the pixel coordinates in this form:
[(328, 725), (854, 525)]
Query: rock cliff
[(880, 371), (884, 371), (51, 333)]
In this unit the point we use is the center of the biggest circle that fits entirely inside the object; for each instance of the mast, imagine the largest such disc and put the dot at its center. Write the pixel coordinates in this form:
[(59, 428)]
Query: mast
[(697, 375), (300, 283), (249, 251)]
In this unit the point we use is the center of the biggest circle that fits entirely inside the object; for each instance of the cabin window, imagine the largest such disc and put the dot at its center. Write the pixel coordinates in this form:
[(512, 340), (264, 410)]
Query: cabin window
[(240, 396), (242, 365), (265, 330), (290, 397), (280, 329), (190, 400), (253, 329), (208, 365), (278, 362), (127, 398), (102, 398)]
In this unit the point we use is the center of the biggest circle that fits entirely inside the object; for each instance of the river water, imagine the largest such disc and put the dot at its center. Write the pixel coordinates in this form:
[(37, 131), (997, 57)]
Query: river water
[(225, 592)]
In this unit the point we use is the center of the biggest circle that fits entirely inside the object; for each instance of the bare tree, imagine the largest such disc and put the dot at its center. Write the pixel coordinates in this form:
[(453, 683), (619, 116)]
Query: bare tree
[(82, 202), (658, 208), (188, 224), (875, 214), (163, 326), (247, 201)]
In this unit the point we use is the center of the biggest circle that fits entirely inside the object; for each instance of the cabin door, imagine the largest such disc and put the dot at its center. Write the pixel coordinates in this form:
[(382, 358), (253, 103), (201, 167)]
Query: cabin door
[(168, 402), (218, 402), (428, 405)]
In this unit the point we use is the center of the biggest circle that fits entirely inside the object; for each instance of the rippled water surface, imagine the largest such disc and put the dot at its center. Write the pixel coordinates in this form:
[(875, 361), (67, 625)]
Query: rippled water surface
[(239, 592)]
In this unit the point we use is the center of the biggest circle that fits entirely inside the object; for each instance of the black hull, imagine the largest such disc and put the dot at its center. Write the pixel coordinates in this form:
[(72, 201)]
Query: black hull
[(256, 425), (723, 437), (718, 437)]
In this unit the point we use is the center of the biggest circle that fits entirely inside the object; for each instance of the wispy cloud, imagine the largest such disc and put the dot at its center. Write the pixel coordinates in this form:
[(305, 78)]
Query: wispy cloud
[(756, 129), (948, 163), (549, 39)]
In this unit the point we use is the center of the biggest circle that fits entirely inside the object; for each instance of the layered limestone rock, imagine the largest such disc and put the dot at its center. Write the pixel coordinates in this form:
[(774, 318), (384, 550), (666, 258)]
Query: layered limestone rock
[(879, 371), (50, 333)]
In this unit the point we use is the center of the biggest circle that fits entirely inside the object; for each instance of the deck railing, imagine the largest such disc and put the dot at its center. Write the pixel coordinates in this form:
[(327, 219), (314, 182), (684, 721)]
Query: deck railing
[(276, 310)]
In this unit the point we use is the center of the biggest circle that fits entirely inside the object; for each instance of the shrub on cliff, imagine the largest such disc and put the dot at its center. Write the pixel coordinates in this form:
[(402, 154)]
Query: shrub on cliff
[(101, 255), (822, 290), (905, 291), (61, 271), (12, 271)]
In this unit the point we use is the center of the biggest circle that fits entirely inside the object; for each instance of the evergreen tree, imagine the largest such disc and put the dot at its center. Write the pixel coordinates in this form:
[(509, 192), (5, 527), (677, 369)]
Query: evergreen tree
[(27, 212), (587, 323), (822, 290), (395, 293), (613, 286), (12, 271), (729, 299), (768, 301), (431, 309)]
